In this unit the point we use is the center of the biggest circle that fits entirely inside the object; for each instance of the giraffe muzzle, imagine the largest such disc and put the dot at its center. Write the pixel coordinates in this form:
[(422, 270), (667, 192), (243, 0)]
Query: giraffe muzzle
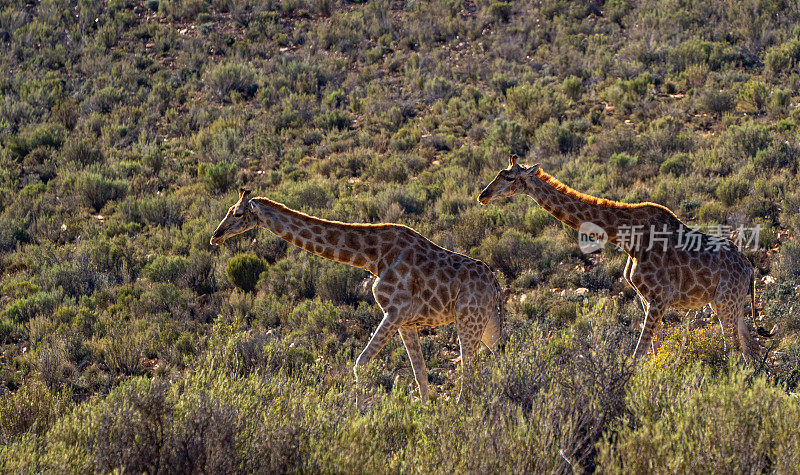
[(217, 238)]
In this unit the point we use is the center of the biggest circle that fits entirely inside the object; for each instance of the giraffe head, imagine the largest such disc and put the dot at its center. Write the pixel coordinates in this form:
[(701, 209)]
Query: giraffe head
[(509, 182), (240, 218)]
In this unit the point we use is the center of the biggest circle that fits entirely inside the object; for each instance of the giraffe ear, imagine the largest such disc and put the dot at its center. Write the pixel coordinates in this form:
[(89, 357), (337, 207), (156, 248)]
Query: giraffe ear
[(533, 169), (512, 160), (243, 193)]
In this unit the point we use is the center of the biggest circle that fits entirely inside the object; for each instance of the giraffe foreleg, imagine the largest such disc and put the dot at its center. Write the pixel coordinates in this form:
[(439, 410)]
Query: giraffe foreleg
[(410, 337), (652, 319), (388, 327), (627, 274)]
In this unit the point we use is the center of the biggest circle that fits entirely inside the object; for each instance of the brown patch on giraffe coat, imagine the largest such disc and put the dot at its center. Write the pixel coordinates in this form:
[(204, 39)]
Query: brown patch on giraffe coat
[(332, 236), (358, 260), (344, 255), (352, 241)]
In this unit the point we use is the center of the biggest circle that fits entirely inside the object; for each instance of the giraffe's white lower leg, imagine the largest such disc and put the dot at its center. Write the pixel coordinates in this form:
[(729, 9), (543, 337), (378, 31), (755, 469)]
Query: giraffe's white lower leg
[(656, 333), (410, 338), (655, 311)]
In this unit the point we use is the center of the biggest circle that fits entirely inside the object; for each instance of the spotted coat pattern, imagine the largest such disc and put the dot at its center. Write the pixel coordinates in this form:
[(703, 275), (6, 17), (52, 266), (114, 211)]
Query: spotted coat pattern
[(416, 281), (669, 270)]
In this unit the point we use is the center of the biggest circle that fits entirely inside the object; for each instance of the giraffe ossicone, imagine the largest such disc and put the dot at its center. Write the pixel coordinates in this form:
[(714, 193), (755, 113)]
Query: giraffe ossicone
[(416, 281), (663, 271)]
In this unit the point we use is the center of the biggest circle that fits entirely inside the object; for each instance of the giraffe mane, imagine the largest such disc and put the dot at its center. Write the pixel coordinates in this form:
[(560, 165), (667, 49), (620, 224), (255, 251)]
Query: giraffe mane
[(313, 219), (593, 200)]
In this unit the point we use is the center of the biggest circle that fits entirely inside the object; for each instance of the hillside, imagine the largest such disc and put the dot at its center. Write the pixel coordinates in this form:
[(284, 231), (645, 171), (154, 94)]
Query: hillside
[(126, 128)]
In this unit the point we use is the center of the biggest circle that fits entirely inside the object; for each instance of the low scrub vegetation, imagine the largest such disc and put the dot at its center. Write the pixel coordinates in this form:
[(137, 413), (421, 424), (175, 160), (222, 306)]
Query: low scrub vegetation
[(128, 342)]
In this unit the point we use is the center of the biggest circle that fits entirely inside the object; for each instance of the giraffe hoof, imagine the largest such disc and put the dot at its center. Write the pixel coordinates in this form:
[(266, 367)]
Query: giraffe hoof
[(763, 332)]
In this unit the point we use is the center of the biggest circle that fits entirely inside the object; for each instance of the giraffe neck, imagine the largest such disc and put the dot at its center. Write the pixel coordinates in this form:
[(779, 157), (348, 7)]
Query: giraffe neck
[(357, 245), (574, 208)]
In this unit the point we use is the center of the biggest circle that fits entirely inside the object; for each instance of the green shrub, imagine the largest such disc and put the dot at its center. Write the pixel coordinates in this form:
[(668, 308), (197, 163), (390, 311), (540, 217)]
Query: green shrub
[(315, 318), (96, 189), (683, 423), (217, 176), (746, 140), (534, 103), (516, 251), (552, 138), (24, 309), (783, 57), (186, 10), (243, 271), (509, 136), (716, 102), (622, 160), (731, 190), (776, 156), (676, 165), (334, 119), (167, 269), (307, 195), (753, 96), (500, 11), (788, 266), (43, 135), (341, 284), (231, 77), (82, 151), (32, 408), (572, 87), (107, 98)]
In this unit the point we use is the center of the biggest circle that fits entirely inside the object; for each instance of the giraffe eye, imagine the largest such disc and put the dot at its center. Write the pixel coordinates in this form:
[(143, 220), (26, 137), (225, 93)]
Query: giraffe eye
[(508, 178)]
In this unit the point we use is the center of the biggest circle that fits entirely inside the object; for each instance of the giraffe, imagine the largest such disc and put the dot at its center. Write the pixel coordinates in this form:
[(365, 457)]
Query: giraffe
[(669, 264), (417, 282)]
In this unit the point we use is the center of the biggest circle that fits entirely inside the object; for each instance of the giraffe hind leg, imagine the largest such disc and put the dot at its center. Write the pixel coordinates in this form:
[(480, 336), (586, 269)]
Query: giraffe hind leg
[(410, 337), (734, 328), (469, 337), (492, 335)]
